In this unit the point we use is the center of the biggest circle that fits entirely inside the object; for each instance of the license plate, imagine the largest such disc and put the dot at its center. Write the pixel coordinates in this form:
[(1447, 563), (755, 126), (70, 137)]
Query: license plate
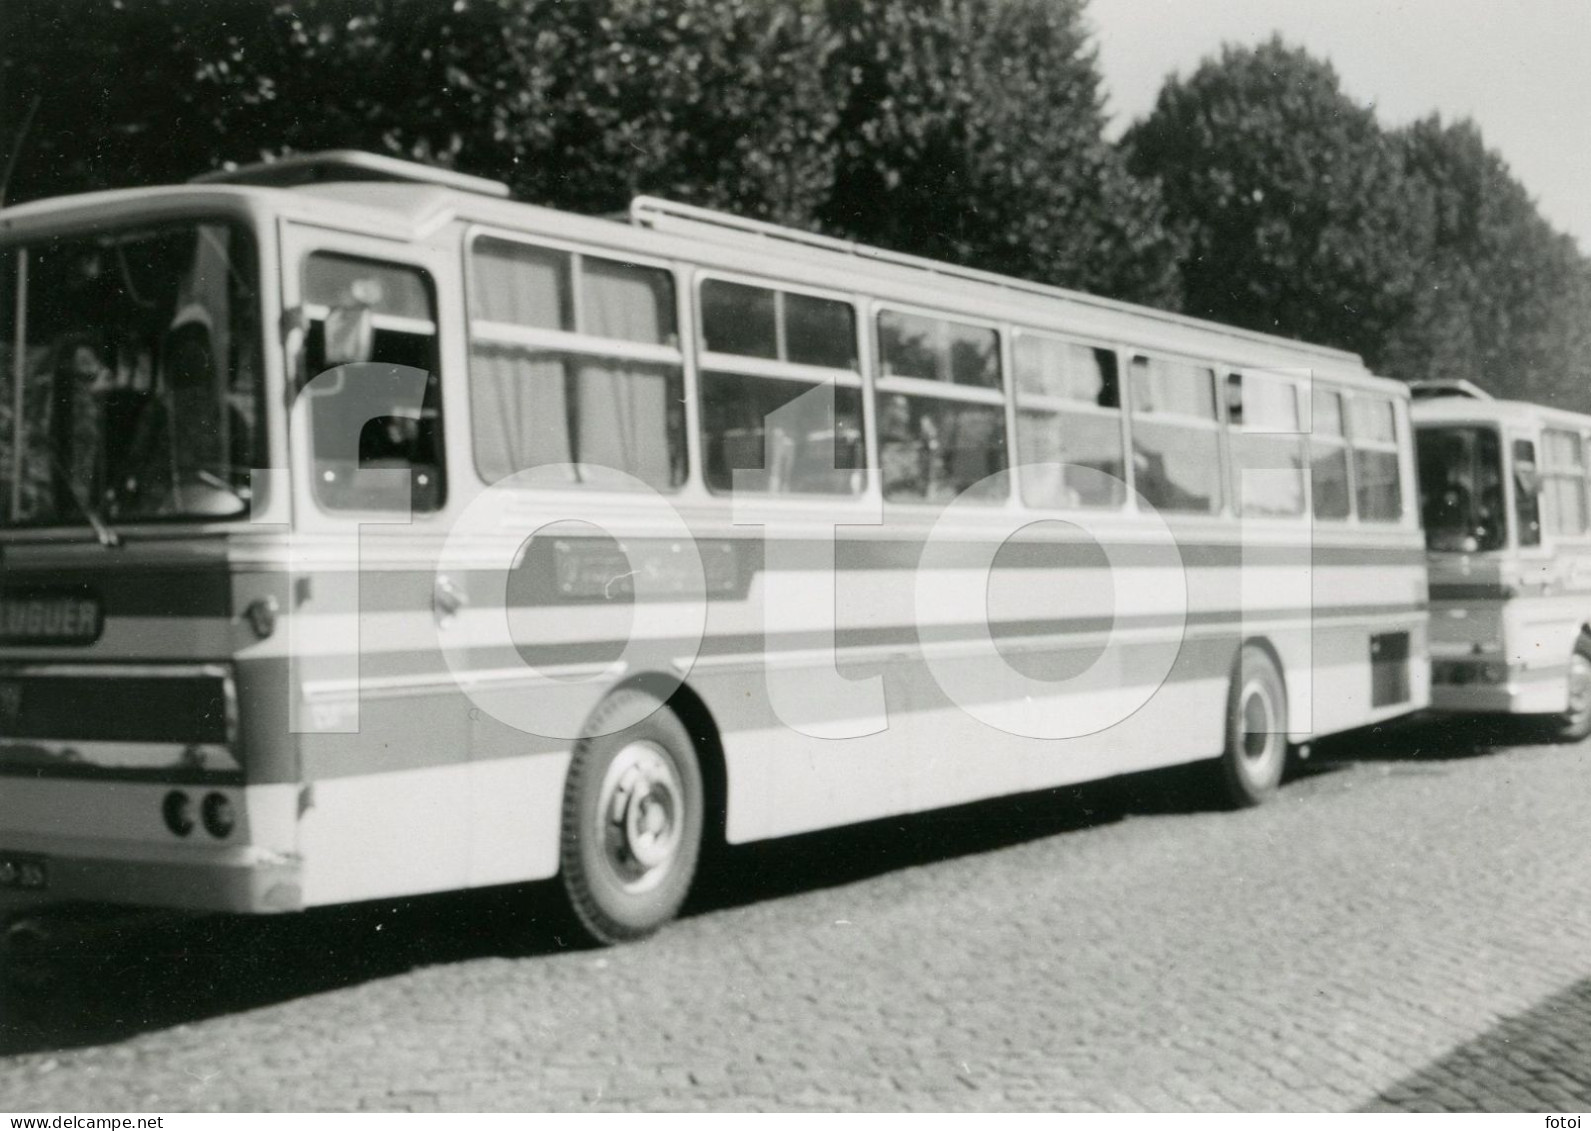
[(23, 873)]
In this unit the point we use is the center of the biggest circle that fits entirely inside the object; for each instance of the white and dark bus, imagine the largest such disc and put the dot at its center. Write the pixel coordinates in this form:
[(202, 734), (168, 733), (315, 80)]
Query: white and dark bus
[(1503, 487), (367, 533)]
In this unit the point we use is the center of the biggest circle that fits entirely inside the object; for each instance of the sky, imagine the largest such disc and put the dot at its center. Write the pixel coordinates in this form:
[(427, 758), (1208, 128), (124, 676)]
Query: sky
[(1521, 69)]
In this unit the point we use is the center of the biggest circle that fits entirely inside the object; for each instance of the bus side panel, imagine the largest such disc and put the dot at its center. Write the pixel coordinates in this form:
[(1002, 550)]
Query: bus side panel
[(1367, 640), (1349, 684), (933, 753), (409, 783), (470, 802), (1539, 635)]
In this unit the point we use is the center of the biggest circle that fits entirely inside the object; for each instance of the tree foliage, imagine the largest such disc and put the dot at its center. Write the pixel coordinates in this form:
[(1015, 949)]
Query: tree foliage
[(968, 129), (1300, 216), (1416, 247), (973, 132), (102, 93), (1256, 193), (1502, 296)]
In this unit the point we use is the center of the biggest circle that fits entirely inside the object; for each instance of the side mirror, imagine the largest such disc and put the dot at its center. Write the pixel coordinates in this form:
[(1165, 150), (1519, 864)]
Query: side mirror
[(350, 335)]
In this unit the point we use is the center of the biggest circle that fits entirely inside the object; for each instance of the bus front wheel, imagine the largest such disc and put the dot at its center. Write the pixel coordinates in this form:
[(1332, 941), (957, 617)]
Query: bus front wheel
[(632, 820), (1256, 730), (1575, 723)]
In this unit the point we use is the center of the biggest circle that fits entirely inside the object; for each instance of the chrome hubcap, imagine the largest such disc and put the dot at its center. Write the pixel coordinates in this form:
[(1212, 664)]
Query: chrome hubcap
[(639, 814)]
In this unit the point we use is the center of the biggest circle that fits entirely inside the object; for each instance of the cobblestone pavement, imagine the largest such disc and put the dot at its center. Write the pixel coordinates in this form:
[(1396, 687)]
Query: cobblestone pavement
[(1408, 926), (1539, 1058)]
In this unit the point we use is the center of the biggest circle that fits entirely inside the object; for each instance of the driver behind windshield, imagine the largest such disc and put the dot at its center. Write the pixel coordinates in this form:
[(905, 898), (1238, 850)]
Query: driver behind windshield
[(177, 459), (81, 380)]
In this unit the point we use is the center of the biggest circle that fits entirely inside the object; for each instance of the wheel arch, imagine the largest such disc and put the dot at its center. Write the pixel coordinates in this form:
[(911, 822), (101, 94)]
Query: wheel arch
[(1263, 644)]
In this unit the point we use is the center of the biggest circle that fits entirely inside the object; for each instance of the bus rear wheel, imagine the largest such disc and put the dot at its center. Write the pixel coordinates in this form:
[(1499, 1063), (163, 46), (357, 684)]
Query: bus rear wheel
[(632, 820), (1256, 731), (1575, 723)]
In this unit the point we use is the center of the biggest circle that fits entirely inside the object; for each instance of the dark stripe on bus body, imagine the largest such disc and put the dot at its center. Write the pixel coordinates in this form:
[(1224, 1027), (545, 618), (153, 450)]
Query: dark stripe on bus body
[(413, 732), (15, 763), (606, 649), (604, 578), (730, 564), (416, 731), (1470, 592), (176, 591), (124, 708), (1496, 591)]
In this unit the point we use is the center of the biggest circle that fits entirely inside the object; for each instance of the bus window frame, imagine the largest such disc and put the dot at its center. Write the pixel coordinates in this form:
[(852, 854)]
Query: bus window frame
[(565, 341), (1512, 435), (300, 239), (1401, 445), (1548, 471), (1217, 423), (706, 361), (1340, 441), (882, 385), (1303, 419), (398, 324), (274, 397), (1018, 400)]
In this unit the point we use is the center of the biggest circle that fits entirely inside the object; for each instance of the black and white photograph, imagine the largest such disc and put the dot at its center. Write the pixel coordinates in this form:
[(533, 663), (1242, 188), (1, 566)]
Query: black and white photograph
[(816, 556)]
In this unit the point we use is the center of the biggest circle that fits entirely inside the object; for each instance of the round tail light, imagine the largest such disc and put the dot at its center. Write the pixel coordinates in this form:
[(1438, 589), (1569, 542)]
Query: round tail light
[(219, 816), (177, 810)]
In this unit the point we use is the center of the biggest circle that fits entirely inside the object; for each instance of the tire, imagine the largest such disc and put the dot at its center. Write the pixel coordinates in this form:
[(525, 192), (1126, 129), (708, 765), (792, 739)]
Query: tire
[(30, 974), (632, 820), (1575, 723), (29, 962), (1256, 731)]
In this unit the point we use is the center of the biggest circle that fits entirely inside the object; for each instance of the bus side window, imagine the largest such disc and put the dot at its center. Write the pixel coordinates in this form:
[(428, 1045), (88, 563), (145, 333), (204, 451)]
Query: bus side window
[(941, 415), (1527, 488), (408, 437), (778, 423), (1377, 465), (1265, 437), (1176, 445), (575, 368), (1069, 402), (1328, 447), (1563, 483)]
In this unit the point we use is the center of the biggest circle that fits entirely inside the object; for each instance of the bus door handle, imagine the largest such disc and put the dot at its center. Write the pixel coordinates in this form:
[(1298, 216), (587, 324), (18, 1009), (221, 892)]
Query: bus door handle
[(447, 600)]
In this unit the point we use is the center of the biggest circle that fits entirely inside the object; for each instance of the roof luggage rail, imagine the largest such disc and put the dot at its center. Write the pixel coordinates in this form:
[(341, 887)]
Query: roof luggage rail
[(692, 220)]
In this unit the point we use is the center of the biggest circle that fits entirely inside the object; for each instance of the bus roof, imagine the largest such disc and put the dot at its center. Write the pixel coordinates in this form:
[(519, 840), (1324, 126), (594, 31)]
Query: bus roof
[(1470, 410), (400, 200)]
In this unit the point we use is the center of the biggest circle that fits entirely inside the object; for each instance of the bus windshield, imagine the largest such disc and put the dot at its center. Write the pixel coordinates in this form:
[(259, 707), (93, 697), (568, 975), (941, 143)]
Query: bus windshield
[(129, 375), (1461, 488)]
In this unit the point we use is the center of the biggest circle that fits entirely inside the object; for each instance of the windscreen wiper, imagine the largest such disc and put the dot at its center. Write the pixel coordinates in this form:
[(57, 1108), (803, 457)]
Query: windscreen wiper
[(102, 530)]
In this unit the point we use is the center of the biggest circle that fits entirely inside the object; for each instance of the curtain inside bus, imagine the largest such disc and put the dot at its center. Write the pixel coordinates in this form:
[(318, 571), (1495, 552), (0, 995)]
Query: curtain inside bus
[(535, 407)]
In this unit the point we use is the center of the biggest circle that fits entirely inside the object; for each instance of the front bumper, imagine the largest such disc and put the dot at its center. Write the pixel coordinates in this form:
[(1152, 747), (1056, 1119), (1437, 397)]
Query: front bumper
[(1519, 691), (238, 879)]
